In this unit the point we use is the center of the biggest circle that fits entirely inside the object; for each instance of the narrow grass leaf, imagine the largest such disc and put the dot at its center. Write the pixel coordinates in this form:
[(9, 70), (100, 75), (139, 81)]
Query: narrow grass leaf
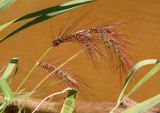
[(152, 72), (144, 106), (7, 24), (76, 2), (67, 5), (11, 66), (6, 90), (131, 73), (46, 11), (43, 15), (5, 3), (69, 103)]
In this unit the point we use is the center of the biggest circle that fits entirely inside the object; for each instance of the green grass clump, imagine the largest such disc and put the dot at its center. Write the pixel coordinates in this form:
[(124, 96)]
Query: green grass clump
[(148, 103), (12, 68)]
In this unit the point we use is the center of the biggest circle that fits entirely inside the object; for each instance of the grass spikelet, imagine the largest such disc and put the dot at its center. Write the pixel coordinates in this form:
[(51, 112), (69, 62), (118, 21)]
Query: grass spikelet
[(84, 37), (115, 43), (61, 75), (67, 78)]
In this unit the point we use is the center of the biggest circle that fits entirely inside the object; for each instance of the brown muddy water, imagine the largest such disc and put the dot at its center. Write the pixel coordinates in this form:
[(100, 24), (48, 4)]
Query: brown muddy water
[(143, 24)]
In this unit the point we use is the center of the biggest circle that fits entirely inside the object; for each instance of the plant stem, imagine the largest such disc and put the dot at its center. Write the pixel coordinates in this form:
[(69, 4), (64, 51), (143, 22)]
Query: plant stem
[(71, 58), (117, 105), (54, 94), (112, 111), (32, 69)]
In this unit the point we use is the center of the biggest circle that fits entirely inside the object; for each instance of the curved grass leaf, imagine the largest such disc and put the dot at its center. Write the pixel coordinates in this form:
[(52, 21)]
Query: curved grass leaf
[(69, 103), (6, 90), (5, 3), (7, 94), (154, 70), (11, 66), (133, 70), (43, 15), (7, 24), (55, 9), (46, 11), (144, 106)]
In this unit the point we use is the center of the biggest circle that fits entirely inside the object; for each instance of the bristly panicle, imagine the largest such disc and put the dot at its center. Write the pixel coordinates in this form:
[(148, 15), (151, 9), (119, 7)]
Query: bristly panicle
[(86, 39), (114, 41), (67, 78), (61, 75)]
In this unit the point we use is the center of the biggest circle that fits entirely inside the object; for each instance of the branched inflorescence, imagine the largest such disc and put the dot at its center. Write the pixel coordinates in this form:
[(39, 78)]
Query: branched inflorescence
[(114, 41), (68, 79), (60, 75)]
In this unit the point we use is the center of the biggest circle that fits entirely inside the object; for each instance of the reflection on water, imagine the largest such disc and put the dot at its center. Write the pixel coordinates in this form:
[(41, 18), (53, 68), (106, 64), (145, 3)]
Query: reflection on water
[(143, 23)]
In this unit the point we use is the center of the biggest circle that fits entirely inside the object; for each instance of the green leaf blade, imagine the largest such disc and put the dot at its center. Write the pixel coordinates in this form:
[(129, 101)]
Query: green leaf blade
[(6, 90), (43, 15), (151, 73), (58, 8), (69, 103), (13, 64), (7, 24), (5, 3), (144, 106), (131, 73)]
